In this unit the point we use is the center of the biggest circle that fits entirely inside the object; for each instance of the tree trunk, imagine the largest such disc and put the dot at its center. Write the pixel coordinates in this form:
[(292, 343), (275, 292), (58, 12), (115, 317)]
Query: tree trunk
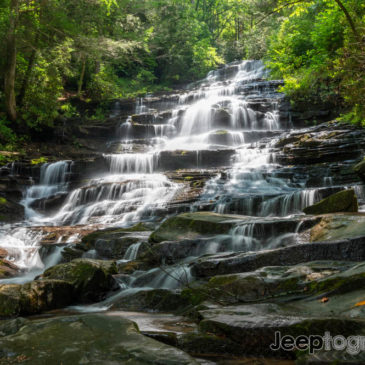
[(10, 62), (82, 74), (349, 19)]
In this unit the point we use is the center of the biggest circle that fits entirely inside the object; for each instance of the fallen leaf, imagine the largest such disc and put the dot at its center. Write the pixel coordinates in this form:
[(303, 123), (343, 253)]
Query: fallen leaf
[(359, 304), (324, 300)]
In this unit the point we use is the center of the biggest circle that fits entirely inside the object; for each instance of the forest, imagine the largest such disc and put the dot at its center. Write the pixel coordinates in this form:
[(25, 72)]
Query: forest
[(182, 182), (56, 51)]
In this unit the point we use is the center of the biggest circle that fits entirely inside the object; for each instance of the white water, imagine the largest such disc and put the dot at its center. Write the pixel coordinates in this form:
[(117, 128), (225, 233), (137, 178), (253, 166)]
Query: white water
[(214, 115)]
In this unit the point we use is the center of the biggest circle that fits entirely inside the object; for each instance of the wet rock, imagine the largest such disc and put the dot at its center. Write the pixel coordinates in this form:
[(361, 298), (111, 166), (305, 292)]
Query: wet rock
[(171, 252), (113, 243), (303, 280), (221, 119), (10, 188), (360, 169), (207, 345), (192, 225), (88, 167), (220, 264), (10, 211), (49, 205), (253, 327), (175, 160), (221, 137), (129, 267), (90, 279), (338, 227), (7, 268), (343, 201), (93, 338), (34, 297), (328, 142), (160, 300), (11, 326)]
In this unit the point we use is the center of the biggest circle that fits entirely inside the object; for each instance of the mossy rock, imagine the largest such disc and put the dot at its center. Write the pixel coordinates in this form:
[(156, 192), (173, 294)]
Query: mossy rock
[(199, 344), (10, 212), (192, 225), (91, 339), (34, 297), (91, 279), (360, 169), (343, 201), (157, 300)]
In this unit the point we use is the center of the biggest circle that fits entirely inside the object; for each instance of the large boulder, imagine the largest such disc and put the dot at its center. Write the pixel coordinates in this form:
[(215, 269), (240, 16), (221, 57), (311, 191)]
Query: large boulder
[(343, 201), (113, 243), (90, 279), (34, 297), (49, 205), (91, 339), (192, 225), (253, 327)]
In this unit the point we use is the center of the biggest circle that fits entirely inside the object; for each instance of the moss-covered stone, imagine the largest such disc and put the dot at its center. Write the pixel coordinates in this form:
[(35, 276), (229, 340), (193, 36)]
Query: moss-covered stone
[(10, 211), (91, 279), (360, 169), (203, 344), (34, 297), (343, 201), (160, 300), (92, 339), (192, 225)]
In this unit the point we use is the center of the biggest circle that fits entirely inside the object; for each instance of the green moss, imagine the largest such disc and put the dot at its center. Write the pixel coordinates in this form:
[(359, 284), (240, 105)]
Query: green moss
[(222, 280), (191, 225), (3, 200), (38, 161), (343, 201), (195, 296)]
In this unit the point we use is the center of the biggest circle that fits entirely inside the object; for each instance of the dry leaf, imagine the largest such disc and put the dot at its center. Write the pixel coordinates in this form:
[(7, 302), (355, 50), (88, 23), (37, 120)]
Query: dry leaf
[(359, 304), (324, 300)]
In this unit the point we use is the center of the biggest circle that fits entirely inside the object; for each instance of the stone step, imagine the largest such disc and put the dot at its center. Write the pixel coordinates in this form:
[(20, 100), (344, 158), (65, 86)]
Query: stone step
[(346, 250), (175, 160)]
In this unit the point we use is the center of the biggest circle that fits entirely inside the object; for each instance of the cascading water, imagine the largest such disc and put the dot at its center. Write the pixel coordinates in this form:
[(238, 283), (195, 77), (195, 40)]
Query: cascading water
[(232, 110)]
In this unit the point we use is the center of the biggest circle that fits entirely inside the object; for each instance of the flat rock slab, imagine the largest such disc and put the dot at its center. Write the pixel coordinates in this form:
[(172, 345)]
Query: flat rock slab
[(338, 226), (254, 326), (91, 339), (347, 250), (193, 225)]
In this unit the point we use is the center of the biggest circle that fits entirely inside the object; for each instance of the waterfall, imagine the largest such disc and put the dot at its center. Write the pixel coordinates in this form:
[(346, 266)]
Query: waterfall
[(53, 180), (132, 252), (231, 118), (132, 163)]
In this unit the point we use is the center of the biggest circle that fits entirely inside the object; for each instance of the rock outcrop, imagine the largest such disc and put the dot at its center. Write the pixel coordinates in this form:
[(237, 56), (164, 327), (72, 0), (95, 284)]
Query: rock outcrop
[(343, 201)]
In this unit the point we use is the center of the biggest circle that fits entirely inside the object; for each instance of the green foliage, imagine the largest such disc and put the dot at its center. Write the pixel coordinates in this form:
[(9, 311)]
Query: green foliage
[(38, 161), (7, 136), (315, 54), (104, 49)]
